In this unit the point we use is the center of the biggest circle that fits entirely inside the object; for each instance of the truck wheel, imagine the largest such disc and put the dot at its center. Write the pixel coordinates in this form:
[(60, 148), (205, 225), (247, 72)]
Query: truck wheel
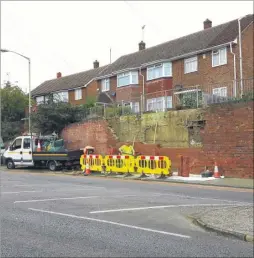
[(52, 165), (10, 164)]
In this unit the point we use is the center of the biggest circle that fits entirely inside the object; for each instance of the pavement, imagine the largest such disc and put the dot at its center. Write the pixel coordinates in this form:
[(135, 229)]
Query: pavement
[(53, 215)]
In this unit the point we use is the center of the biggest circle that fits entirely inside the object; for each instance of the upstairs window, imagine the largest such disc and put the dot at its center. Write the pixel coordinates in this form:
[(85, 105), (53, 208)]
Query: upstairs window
[(128, 78), (191, 64), (159, 71), (105, 85), (219, 57), (78, 94)]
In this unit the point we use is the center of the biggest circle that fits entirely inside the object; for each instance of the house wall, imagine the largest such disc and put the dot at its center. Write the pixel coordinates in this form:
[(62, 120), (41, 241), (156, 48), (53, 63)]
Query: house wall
[(247, 52), (132, 93), (207, 75), (89, 92), (77, 102)]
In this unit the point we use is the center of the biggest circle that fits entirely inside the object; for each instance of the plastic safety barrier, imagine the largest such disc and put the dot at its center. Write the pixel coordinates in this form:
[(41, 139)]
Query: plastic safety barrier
[(95, 162), (119, 163), (157, 165)]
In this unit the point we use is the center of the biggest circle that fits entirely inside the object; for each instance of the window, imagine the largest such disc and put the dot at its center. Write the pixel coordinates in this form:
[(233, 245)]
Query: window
[(128, 78), (78, 94), (159, 104), (40, 100), (61, 96), (191, 64), (17, 144), (159, 71), (105, 85), (219, 57), (135, 107), (27, 143), (221, 92)]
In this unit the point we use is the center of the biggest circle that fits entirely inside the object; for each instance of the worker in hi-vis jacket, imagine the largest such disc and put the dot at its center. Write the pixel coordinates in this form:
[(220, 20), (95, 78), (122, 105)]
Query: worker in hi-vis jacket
[(127, 149)]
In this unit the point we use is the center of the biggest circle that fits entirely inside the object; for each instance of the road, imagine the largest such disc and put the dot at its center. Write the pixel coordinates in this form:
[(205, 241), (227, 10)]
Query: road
[(45, 215)]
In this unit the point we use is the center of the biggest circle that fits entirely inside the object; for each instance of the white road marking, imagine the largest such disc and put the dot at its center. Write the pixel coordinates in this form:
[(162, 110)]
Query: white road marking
[(111, 222), (62, 185), (159, 207), (203, 198), (21, 192), (57, 199)]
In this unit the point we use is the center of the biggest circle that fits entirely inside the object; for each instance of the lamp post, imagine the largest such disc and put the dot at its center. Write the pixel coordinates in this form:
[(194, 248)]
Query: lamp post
[(29, 83)]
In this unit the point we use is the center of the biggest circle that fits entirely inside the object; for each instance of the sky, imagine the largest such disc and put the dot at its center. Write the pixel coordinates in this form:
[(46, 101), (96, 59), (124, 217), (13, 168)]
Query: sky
[(68, 36)]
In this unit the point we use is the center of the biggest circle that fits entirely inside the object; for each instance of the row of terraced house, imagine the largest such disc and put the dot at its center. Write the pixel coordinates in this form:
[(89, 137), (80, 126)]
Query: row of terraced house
[(214, 64)]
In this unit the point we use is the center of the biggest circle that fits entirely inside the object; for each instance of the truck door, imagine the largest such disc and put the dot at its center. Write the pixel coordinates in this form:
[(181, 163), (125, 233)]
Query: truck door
[(27, 158), (16, 151)]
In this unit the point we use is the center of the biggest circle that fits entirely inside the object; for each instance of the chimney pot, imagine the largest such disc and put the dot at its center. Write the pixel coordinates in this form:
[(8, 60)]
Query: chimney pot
[(58, 75), (96, 64), (207, 24), (142, 45)]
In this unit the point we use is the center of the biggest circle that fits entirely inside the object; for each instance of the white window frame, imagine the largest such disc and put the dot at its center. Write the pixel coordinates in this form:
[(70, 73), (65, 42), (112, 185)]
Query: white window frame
[(220, 91), (222, 59), (135, 107), (105, 85), (41, 101), (150, 71), (189, 61), (131, 81), (78, 94), (167, 102), (60, 97)]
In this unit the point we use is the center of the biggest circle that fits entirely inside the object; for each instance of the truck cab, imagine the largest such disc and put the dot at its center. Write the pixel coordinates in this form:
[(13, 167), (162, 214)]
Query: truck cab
[(19, 153)]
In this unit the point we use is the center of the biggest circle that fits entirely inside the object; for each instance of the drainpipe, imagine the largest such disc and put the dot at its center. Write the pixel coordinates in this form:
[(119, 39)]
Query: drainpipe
[(143, 89), (234, 85), (240, 55)]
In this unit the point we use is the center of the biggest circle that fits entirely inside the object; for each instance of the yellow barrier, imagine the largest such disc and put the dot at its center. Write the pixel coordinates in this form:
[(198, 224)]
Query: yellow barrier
[(119, 163), (95, 162), (158, 165)]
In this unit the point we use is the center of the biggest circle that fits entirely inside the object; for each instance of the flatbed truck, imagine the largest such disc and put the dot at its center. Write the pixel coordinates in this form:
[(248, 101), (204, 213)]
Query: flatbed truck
[(24, 153)]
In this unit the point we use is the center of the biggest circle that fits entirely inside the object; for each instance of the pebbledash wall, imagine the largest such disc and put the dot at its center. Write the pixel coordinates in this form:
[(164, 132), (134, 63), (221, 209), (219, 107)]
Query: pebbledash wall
[(221, 133)]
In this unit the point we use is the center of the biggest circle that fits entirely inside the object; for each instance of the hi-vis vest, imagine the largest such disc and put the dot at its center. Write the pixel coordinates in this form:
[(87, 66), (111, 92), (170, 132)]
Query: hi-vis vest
[(127, 150)]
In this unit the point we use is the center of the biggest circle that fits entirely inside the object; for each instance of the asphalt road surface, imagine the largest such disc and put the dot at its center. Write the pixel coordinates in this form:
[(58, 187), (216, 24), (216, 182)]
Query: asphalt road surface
[(45, 215)]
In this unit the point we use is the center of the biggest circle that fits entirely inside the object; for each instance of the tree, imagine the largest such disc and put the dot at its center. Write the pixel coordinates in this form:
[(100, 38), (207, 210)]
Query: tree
[(54, 115), (13, 102)]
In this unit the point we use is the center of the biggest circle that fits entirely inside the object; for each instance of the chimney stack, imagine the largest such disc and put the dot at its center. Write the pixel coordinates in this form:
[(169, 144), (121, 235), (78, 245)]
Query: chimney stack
[(58, 75), (207, 24), (142, 45), (96, 64)]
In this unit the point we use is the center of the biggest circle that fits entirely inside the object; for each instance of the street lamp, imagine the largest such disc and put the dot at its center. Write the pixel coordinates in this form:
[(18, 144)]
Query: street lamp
[(29, 77)]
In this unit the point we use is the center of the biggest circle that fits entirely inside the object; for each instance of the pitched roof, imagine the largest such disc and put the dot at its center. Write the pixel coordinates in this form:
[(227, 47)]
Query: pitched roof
[(67, 82), (208, 38)]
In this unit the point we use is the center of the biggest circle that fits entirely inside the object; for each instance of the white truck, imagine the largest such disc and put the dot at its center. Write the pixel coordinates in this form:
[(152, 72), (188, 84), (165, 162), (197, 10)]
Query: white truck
[(23, 152)]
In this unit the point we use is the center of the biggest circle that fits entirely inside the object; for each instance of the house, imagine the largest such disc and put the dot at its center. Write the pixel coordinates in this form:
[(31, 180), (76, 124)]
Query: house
[(76, 88), (204, 58), (156, 78)]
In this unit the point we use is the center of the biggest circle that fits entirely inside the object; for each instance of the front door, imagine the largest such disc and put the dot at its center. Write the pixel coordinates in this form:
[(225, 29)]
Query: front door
[(16, 151), (27, 159)]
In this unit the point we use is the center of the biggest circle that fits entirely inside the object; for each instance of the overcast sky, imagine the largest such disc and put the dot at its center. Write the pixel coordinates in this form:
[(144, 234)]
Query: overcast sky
[(68, 36)]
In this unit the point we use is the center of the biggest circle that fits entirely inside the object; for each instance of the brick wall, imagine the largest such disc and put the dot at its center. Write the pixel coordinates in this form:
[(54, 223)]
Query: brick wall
[(227, 138), (93, 133)]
